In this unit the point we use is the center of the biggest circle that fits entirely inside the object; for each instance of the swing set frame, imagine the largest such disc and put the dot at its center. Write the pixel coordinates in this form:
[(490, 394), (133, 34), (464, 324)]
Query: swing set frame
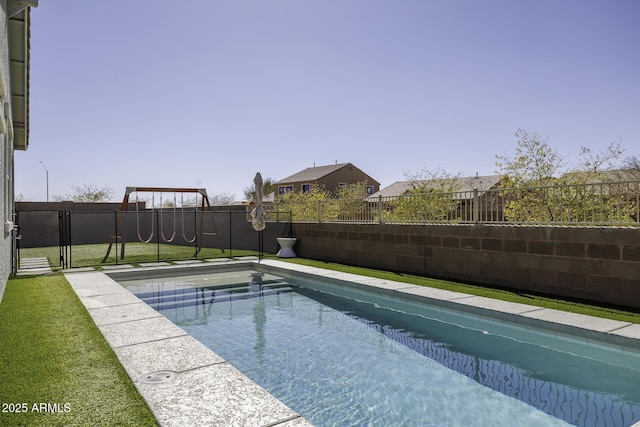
[(125, 203)]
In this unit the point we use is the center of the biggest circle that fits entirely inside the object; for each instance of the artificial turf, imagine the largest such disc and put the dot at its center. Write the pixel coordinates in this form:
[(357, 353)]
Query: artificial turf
[(56, 369), (136, 253), (613, 313)]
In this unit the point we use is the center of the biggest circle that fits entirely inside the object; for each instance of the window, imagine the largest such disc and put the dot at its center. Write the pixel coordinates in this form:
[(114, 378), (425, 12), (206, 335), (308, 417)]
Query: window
[(342, 184), (369, 189), (8, 185), (282, 189), (6, 165), (306, 188)]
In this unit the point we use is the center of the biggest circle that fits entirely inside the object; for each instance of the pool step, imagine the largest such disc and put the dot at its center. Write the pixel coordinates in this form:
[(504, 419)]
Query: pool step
[(195, 288), (189, 292), (204, 296), (210, 297)]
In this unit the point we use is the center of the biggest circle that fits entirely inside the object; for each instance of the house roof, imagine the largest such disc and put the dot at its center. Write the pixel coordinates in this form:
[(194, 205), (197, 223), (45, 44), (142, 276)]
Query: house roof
[(312, 174), (19, 26), (611, 175), (466, 183)]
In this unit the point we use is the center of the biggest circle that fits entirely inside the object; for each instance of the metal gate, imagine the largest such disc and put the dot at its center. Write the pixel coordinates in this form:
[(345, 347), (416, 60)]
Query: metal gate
[(64, 237)]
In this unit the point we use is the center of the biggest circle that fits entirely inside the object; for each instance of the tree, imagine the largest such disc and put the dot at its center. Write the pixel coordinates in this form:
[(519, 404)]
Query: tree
[(88, 193), (535, 163), (433, 180), (221, 199), (349, 203), (346, 203), (304, 206), (267, 188), (631, 168), (430, 198), (356, 190), (543, 187)]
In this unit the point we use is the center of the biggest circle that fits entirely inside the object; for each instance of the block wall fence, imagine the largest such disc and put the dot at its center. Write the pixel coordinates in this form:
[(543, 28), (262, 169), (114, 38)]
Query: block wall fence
[(588, 263), (597, 264), (40, 228)]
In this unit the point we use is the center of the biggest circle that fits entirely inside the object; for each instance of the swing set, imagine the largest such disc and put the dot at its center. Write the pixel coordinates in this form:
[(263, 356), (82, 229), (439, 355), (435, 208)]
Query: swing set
[(158, 222)]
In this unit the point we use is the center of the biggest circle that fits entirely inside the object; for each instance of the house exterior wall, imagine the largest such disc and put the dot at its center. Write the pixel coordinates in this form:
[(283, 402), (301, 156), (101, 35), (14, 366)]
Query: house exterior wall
[(348, 174), (588, 263), (6, 153)]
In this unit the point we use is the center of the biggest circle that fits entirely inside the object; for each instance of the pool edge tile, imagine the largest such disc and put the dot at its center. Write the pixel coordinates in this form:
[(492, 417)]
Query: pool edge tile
[(178, 354), (122, 313)]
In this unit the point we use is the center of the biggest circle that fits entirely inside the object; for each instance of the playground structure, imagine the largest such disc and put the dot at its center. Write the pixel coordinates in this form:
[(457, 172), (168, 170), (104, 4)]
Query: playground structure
[(157, 228)]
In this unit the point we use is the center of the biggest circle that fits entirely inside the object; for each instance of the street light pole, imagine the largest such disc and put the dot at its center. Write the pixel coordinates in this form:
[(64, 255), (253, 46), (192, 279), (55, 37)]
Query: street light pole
[(47, 172)]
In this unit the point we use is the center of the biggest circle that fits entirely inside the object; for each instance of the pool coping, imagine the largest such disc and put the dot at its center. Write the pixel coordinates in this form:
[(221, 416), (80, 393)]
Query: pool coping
[(592, 330), (185, 383), (182, 381)]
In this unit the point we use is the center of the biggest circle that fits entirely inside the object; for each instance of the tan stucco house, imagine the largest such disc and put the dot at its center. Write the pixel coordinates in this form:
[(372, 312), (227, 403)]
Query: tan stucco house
[(331, 177)]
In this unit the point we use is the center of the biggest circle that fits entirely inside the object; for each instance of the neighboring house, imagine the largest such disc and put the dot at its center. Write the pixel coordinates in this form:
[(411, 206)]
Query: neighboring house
[(331, 177), (603, 176), (463, 191), (467, 183), (14, 113)]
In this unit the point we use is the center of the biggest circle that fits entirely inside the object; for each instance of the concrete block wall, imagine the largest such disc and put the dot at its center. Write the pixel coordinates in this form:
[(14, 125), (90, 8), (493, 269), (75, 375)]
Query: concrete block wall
[(594, 264)]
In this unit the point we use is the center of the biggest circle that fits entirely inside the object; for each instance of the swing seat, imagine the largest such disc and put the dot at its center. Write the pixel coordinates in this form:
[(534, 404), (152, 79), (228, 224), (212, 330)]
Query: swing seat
[(157, 217)]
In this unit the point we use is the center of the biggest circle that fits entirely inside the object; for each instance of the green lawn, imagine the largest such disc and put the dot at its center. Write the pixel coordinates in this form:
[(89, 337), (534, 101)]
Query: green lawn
[(55, 366), (501, 294)]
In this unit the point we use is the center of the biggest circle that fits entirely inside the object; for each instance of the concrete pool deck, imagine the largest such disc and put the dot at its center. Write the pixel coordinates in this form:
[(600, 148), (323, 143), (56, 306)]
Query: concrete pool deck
[(185, 383)]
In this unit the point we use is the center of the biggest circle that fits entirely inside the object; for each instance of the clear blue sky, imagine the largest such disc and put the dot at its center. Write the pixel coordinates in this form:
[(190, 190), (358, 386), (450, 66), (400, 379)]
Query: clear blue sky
[(206, 93)]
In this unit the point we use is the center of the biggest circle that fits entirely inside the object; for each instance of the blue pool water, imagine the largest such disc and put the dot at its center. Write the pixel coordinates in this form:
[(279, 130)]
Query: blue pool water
[(341, 357)]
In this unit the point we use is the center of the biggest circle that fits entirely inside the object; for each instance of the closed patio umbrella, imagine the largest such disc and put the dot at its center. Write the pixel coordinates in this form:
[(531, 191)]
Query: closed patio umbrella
[(258, 213)]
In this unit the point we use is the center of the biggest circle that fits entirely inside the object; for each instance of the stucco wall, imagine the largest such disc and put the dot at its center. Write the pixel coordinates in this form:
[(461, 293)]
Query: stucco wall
[(6, 152), (594, 264), (349, 174)]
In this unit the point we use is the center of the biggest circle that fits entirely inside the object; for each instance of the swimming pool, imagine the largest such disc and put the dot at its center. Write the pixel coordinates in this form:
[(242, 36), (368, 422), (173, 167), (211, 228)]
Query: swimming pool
[(341, 356)]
